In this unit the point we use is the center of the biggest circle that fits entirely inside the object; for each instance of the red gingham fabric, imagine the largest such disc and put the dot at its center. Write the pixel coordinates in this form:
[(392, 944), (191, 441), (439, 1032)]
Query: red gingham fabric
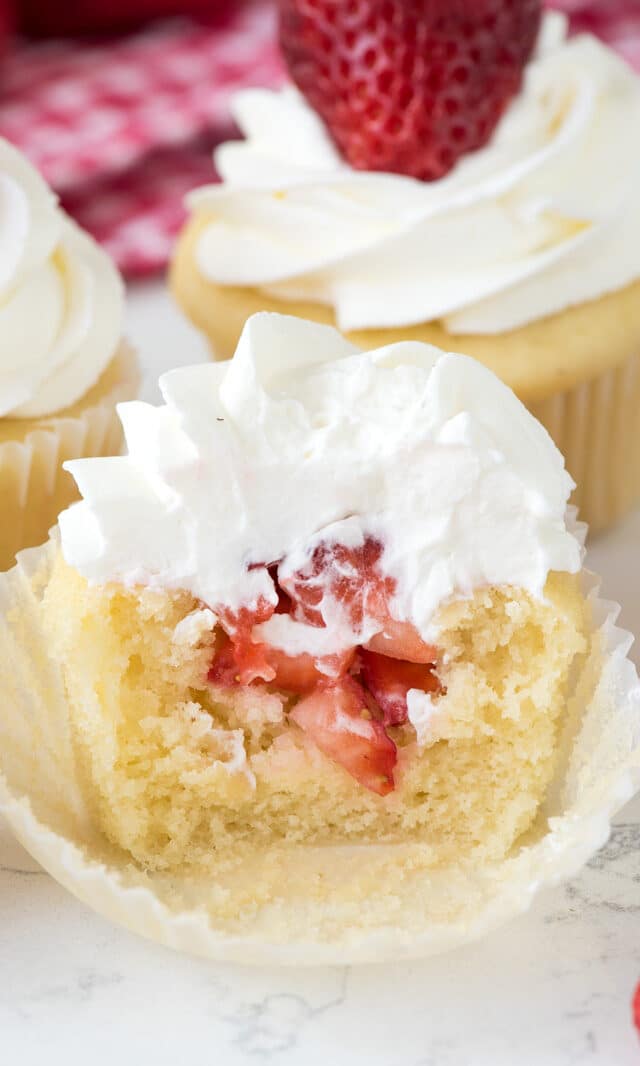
[(616, 21), (124, 129)]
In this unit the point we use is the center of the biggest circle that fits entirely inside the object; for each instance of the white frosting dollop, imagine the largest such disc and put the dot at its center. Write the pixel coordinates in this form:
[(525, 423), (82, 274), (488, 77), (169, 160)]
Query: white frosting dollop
[(61, 298), (546, 216), (302, 439)]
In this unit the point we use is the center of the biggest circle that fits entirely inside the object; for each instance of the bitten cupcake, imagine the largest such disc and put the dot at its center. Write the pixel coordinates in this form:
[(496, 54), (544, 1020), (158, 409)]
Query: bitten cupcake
[(63, 364), (314, 670), (452, 174)]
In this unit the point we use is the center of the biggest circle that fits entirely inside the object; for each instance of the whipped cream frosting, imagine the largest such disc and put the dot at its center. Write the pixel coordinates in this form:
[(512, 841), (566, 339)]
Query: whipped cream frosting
[(546, 216), (303, 440), (61, 298)]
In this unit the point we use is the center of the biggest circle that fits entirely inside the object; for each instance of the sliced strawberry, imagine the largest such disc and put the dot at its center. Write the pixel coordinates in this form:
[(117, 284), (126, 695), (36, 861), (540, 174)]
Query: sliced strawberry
[(240, 664), (401, 640), (301, 673), (337, 720), (389, 680), (635, 1008), (250, 659), (294, 673), (240, 660), (224, 668), (349, 576)]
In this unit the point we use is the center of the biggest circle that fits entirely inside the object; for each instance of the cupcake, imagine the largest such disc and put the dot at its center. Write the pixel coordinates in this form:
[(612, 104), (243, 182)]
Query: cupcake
[(63, 365), (480, 202), (314, 670)]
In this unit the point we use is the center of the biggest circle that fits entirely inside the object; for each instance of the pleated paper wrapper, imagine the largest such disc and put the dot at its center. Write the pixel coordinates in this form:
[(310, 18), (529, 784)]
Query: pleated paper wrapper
[(596, 426), (34, 488), (318, 905)]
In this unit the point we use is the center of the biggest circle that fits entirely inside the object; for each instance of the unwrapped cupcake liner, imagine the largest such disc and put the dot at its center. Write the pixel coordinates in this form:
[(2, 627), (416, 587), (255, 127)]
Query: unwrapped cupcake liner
[(596, 426), (317, 905), (34, 488)]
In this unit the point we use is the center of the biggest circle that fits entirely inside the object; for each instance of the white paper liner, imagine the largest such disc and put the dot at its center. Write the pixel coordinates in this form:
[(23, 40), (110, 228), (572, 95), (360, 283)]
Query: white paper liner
[(596, 426), (34, 488), (328, 905)]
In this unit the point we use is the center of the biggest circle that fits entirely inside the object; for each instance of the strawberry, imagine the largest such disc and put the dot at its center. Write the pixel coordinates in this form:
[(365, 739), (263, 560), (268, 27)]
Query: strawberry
[(336, 718), (240, 661), (42, 19), (250, 659), (235, 664), (339, 575), (408, 86), (389, 680), (401, 640), (301, 673), (294, 673), (635, 1008), (239, 664), (340, 716), (224, 669)]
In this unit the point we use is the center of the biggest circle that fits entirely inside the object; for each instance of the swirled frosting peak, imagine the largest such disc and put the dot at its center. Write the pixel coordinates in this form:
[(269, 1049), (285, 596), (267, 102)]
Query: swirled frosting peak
[(546, 216), (303, 440), (61, 299)]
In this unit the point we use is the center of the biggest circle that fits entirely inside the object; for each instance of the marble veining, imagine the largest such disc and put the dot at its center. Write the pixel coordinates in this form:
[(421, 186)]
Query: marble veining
[(554, 987)]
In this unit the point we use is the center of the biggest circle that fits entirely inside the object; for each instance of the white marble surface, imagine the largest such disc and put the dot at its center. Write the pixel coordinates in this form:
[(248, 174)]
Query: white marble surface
[(552, 989)]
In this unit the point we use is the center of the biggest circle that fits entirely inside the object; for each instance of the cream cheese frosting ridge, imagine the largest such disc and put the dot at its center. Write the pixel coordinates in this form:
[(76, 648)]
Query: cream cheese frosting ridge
[(61, 298), (302, 439), (544, 217)]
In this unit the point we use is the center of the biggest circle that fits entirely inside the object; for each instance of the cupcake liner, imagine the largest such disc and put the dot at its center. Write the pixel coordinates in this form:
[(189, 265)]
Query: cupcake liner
[(34, 488), (596, 426), (311, 905)]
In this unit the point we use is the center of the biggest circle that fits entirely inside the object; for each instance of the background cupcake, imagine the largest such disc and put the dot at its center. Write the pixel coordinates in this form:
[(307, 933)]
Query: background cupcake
[(63, 365), (505, 226)]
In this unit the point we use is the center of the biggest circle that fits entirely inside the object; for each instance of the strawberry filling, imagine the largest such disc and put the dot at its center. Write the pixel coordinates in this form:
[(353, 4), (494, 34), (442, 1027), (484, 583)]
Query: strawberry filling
[(339, 576), (250, 659), (347, 701), (389, 681), (338, 720), (401, 640), (241, 664)]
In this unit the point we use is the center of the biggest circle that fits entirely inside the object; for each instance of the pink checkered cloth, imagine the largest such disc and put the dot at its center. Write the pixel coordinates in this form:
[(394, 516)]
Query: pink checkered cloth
[(123, 130), (616, 21)]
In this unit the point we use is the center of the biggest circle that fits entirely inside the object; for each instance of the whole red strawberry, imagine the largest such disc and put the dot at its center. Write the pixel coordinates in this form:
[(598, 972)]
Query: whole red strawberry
[(408, 86)]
